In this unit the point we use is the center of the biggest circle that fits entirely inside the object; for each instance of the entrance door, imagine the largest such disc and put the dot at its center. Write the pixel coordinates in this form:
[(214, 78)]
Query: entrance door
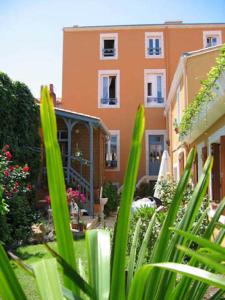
[(156, 148)]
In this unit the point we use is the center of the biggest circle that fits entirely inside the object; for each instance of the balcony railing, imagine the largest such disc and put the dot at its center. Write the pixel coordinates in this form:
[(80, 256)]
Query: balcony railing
[(155, 100), (154, 51), (109, 101), (109, 52)]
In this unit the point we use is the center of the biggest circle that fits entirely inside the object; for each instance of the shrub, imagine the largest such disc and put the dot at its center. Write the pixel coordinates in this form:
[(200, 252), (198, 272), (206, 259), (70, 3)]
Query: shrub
[(145, 189), (145, 214), (19, 115), (18, 214), (110, 192)]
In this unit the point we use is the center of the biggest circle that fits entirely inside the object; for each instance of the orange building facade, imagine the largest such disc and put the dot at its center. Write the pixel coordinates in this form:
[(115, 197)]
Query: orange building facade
[(108, 71)]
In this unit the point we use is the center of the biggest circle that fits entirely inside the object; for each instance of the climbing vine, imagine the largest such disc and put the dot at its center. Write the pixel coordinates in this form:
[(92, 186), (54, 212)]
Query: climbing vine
[(204, 96)]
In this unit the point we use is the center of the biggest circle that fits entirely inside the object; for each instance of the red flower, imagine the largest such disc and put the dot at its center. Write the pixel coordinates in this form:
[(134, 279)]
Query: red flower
[(17, 166), (6, 173), (26, 169), (8, 155), (16, 183), (11, 168), (29, 187)]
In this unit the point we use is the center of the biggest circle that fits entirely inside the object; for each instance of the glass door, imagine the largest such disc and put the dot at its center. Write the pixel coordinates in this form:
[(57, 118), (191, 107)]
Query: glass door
[(156, 148)]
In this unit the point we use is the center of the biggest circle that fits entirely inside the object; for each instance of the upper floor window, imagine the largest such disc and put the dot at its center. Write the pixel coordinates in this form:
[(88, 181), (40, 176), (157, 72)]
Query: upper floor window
[(108, 88), (154, 88), (112, 150), (211, 38), (154, 45), (108, 46)]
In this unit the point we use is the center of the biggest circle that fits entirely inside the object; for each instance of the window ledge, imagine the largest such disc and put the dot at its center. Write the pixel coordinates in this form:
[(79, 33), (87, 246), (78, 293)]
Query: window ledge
[(109, 106)]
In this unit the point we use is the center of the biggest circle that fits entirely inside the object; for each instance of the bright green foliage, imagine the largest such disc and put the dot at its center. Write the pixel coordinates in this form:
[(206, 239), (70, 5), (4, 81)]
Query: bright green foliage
[(204, 95), (157, 280)]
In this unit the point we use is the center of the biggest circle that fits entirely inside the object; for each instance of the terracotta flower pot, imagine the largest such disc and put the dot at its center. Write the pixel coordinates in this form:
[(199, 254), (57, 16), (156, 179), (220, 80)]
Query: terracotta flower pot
[(97, 208)]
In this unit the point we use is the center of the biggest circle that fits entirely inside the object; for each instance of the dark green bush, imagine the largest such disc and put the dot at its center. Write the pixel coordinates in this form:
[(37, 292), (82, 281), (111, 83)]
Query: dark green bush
[(145, 189), (110, 192), (18, 221), (19, 115)]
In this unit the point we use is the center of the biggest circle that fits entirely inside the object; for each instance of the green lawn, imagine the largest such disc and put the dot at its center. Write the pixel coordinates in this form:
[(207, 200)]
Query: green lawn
[(33, 253)]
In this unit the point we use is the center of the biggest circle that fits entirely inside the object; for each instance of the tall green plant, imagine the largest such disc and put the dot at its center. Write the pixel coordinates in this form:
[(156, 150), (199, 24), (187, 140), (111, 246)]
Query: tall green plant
[(152, 281)]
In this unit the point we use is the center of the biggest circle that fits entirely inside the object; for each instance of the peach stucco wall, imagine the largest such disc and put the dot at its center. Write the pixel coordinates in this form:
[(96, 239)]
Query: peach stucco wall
[(81, 62), (196, 69)]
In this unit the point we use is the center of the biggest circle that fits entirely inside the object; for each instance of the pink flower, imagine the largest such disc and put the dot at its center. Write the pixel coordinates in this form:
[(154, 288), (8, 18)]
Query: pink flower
[(82, 198), (47, 199)]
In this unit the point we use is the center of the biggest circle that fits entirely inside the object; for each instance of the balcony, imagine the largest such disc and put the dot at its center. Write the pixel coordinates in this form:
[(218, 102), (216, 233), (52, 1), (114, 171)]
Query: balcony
[(155, 100), (154, 51), (109, 101), (108, 52), (209, 112)]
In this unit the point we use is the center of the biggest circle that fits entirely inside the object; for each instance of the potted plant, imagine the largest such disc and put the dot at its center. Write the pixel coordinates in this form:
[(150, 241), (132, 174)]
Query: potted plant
[(176, 126)]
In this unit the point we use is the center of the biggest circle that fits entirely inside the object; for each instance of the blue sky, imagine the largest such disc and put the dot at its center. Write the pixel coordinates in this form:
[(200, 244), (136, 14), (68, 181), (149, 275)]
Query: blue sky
[(31, 30)]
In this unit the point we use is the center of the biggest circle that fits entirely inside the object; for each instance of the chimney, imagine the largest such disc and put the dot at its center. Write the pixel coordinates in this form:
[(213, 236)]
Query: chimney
[(52, 93)]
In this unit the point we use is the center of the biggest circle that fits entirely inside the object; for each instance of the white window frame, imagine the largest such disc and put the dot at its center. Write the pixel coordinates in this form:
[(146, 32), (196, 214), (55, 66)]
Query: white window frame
[(117, 133), (102, 73), (215, 33), (155, 72), (108, 36), (147, 133), (199, 152), (154, 35)]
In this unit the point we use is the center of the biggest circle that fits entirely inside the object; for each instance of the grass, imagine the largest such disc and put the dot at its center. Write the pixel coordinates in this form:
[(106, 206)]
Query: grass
[(33, 253)]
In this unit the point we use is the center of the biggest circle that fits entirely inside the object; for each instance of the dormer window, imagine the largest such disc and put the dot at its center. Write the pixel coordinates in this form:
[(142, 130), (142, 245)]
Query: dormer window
[(108, 46), (154, 45), (211, 38)]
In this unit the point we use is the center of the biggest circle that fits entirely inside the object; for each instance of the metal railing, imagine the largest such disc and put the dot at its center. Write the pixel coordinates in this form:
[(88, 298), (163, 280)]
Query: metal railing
[(109, 101), (158, 100), (154, 51), (108, 52)]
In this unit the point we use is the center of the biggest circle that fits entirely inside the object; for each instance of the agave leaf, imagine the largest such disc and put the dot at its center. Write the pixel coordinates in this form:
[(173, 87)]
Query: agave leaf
[(10, 288), (71, 273), (98, 246), (132, 257), (203, 259), (21, 264), (47, 278), (201, 241), (142, 252), (159, 252), (213, 222), (185, 224), (121, 234), (56, 183), (68, 294)]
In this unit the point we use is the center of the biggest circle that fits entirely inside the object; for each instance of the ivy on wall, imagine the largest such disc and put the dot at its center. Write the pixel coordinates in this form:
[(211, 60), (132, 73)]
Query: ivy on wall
[(19, 122), (204, 96)]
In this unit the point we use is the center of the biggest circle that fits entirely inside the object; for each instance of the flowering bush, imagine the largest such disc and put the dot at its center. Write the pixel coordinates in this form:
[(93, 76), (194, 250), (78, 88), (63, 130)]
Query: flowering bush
[(72, 196), (16, 214), (13, 178)]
